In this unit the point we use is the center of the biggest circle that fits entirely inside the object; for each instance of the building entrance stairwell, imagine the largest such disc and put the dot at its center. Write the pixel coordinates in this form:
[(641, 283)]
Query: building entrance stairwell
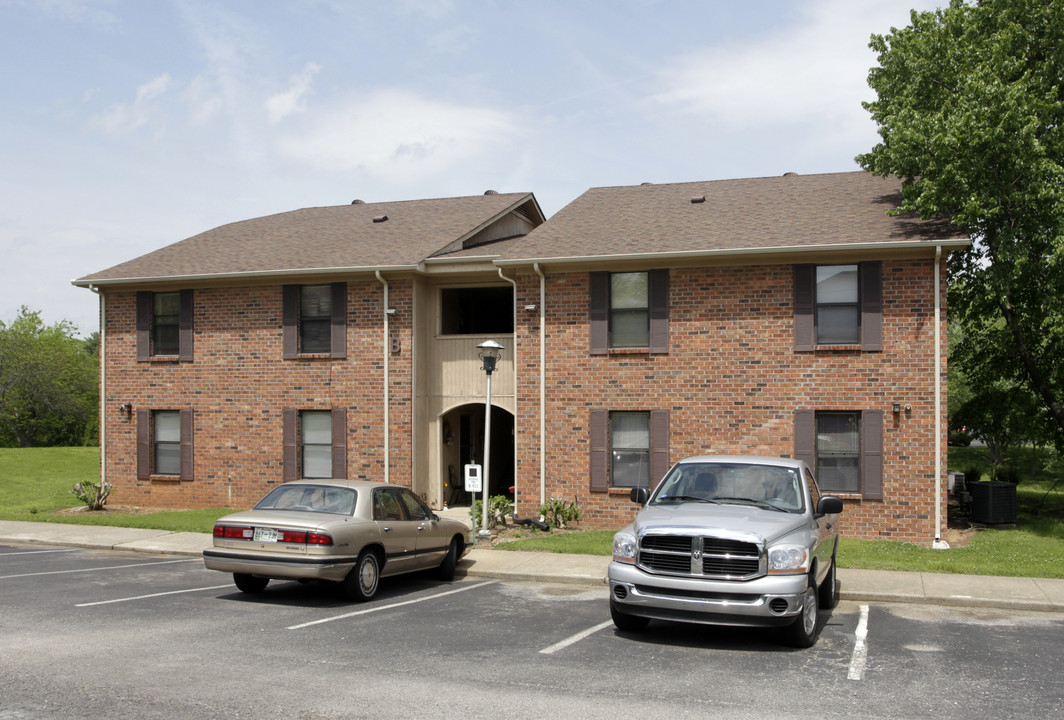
[(462, 443)]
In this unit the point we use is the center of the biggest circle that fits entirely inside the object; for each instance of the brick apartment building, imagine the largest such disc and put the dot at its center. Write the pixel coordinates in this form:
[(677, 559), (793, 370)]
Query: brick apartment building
[(785, 316)]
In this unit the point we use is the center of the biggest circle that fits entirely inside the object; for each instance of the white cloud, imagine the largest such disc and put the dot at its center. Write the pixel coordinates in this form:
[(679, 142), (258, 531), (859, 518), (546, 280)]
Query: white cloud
[(293, 99), (814, 71), (398, 136), (130, 116)]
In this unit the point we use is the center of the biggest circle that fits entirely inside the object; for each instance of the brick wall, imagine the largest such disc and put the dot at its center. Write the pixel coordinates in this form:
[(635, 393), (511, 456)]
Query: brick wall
[(731, 382), (238, 385)]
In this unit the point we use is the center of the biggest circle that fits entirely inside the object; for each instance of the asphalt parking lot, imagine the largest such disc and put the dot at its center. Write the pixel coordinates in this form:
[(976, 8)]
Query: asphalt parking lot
[(92, 633)]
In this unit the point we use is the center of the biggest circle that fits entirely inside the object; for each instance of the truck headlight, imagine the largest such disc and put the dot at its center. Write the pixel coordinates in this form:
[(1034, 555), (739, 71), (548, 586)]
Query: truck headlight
[(784, 559), (624, 547)]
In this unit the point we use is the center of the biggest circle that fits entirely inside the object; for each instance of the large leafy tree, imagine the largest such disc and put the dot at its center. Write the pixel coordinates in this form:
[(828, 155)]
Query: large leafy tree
[(49, 392), (970, 111)]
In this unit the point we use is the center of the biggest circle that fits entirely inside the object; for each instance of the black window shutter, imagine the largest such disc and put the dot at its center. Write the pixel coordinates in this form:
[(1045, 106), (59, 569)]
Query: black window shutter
[(805, 437), (144, 444), (599, 312), (871, 306), (187, 468), (659, 446), (658, 281), (600, 474), (338, 331), (339, 443), (290, 322), (804, 326), (872, 454), (289, 442), (144, 313), (185, 329)]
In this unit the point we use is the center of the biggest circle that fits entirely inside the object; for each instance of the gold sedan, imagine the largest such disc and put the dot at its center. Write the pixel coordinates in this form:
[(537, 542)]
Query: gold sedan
[(345, 531)]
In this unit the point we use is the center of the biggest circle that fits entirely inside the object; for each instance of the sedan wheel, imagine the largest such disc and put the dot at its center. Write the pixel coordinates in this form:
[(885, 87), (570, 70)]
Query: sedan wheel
[(446, 569), (361, 583), (250, 583)]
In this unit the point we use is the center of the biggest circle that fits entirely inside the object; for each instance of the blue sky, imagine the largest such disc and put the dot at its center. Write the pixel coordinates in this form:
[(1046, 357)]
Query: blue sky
[(126, 125)]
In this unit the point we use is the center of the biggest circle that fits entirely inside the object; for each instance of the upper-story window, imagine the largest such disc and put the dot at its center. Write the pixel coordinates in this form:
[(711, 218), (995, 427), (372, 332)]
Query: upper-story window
[(314, 320), (838, 309), (629, 310), (838, 305), (477, 310), (164, 325)]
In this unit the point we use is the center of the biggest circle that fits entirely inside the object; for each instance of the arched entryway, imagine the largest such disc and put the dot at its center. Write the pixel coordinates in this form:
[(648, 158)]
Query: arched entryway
[(462, 443)]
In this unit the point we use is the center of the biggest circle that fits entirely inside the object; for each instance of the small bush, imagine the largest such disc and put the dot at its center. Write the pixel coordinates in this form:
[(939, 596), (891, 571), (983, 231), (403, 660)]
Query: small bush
[(1007, 473), (558, 513), (94, 495), (499, 506)]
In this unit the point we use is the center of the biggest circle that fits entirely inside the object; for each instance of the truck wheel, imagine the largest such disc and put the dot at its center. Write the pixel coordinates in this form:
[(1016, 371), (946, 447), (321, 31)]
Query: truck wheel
[(626, 622), (803, 632), (829, 589)]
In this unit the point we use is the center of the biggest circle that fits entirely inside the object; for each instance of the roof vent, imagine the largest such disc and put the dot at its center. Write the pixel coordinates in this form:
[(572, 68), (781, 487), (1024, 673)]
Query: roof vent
[(698, 199), (789, 174), (646, 183), (358, 202), (491, 192), (379, 218)]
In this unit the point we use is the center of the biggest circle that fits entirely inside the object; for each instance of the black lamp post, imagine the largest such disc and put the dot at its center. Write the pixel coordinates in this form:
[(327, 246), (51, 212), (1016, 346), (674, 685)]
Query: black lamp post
[(489, 353)]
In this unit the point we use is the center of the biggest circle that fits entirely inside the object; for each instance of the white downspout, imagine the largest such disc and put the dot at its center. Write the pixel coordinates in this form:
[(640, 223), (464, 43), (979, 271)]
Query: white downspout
[(939, 543), (103, 385), (514, 438), (387, 421), (542, 384)]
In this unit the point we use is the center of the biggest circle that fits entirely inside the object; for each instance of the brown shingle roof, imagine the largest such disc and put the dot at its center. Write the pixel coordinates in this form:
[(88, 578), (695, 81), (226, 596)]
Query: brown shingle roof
[(737, 216), (343, 237)]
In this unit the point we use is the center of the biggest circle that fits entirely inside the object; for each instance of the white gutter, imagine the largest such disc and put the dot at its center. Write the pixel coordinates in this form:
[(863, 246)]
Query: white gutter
[(542, 384), (211, 277), (739, 252), (387, 421), (939, 543)]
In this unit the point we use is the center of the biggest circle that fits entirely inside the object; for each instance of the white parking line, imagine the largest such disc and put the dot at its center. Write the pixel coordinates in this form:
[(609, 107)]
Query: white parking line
[(860, 648), (84, 570), (574, 638), (38, 552), (389, 607), (154, 595)]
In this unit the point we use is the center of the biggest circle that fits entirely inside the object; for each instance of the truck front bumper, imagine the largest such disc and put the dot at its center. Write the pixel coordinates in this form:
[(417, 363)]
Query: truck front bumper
[(769, 601)]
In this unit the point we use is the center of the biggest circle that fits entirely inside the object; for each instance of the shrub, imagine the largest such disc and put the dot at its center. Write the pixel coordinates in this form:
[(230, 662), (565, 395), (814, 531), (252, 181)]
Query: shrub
[(499, 506), (559, 513), (94, 495)]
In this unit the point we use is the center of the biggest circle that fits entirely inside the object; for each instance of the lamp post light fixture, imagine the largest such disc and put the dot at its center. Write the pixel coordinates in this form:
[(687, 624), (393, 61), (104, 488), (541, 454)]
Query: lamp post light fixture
[(489, 353)]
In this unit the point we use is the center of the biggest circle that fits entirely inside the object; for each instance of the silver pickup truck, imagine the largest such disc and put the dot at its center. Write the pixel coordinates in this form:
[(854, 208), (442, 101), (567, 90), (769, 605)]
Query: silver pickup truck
[(729, 540)]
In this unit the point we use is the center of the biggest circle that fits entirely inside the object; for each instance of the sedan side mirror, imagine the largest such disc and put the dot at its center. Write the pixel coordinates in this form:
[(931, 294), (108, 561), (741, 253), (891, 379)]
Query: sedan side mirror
[(829, 505), (640, 495)]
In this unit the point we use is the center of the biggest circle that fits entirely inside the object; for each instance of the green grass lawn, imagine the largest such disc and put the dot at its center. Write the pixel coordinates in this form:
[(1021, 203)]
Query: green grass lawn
[(36, 482)]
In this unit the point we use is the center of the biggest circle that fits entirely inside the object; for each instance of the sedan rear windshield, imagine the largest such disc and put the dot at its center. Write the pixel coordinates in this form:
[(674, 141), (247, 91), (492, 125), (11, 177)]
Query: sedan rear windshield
[(310, 498), (767, 486)]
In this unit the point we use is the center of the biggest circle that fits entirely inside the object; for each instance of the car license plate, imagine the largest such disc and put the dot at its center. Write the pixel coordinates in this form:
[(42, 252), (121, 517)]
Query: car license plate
[(266, 535)]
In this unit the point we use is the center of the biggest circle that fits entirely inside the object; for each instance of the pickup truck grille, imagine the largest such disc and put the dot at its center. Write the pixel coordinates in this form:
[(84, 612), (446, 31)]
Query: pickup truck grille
[(700, 556)]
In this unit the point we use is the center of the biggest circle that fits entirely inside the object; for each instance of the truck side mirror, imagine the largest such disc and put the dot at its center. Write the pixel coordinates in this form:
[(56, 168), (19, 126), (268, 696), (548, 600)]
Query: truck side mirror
[(640, 495), (829, 505)]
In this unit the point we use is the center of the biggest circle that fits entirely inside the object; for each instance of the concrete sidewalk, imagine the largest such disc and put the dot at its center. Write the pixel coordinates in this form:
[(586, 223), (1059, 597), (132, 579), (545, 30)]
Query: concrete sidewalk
[(1036, 594)]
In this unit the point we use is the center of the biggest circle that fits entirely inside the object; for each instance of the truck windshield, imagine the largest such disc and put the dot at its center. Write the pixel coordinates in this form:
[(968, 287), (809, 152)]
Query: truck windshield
[(767, 486)]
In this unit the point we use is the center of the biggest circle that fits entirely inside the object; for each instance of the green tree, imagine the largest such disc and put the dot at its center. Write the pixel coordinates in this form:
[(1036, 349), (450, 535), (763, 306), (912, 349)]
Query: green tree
[(49, 392), (970, 111)]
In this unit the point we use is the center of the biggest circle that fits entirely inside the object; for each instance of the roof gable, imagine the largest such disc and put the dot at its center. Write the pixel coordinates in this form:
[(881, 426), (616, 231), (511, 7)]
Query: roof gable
[(344, 238)]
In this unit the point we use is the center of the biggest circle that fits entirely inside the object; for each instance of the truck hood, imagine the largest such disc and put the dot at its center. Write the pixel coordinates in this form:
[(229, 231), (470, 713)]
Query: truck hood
[(704, 518)]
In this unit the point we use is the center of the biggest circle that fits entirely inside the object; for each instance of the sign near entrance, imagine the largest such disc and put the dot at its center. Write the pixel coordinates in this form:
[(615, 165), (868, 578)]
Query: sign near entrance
[(473, 482)]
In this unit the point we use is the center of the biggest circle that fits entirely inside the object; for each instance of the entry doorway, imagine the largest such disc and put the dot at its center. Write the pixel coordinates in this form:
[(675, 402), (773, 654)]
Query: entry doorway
[(462, 443)]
